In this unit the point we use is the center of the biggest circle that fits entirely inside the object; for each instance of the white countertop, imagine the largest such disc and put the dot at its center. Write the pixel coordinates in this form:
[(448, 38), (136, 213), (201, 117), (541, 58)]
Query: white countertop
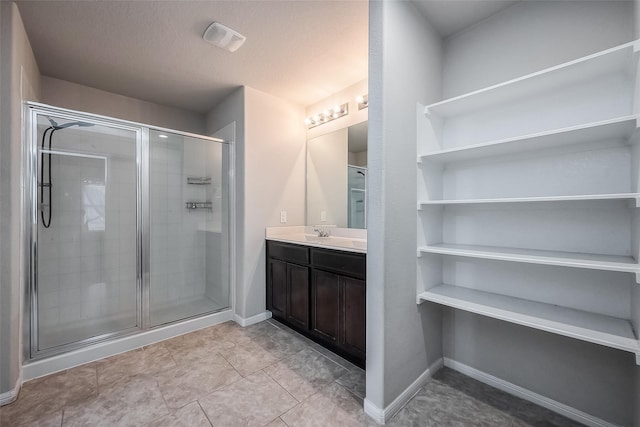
[(343, 239)]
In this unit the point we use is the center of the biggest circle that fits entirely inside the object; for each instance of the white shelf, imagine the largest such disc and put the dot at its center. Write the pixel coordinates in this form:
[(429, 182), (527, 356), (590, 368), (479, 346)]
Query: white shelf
[(565, 259), (622, 128), (608, 62), (595, 328), (588, 197)]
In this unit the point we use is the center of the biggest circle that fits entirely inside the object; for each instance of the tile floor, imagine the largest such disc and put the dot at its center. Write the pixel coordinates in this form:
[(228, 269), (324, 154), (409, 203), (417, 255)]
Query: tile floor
[(262, 375)]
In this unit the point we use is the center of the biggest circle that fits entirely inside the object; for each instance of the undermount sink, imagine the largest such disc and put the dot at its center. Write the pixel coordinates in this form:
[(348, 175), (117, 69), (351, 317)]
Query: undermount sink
[(332, 242)]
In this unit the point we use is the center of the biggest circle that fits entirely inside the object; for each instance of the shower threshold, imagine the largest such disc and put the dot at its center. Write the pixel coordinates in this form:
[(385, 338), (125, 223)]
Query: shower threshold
[(184, 308)]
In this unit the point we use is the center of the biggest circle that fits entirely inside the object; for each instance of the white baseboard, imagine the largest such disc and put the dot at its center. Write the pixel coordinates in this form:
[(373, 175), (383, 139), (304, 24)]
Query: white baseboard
[(101, 350), (381, 416), (529, 395), (11, 395), (253, 319)]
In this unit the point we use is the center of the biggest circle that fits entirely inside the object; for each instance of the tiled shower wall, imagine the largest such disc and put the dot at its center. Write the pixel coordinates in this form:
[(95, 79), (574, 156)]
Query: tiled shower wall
[(86, 260), (183, 255)]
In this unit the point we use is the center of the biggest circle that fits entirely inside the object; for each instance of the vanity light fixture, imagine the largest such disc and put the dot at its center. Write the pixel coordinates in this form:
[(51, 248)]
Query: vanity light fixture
[(363, 102), (328, 115)]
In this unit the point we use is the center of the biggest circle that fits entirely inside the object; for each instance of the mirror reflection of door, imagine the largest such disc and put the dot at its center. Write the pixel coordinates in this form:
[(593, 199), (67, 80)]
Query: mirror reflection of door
[(357, 196), (336, 178)]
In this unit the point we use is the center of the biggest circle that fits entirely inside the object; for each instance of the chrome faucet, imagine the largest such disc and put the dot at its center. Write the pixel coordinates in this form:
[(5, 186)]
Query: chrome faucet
[(322, 232)]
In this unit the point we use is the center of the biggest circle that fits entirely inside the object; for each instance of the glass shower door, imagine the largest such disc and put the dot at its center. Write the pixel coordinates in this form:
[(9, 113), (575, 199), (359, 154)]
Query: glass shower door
[(357, 198), (85, 222), (189, 239)]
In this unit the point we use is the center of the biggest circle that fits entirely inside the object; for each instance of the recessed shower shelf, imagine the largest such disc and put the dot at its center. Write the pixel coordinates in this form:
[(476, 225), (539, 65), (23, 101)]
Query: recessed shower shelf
[(199, 180), (199, 205)]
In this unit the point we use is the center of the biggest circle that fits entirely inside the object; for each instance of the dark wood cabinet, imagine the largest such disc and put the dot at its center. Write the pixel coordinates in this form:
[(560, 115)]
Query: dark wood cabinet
[(321, 293), (325, 305), (298, 295), (277, 292), (353, 316), (288, 286)]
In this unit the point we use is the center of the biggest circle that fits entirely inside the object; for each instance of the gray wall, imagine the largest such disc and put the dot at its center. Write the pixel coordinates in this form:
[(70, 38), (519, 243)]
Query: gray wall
[(595, 379), (530, 36), (84, 98), (231, 112), (274, 181), (19, 80), (403, 339), (525, 38), (270, 176)]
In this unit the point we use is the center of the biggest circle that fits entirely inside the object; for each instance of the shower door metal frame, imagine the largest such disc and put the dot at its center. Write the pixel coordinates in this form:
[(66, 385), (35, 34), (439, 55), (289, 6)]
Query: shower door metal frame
[(143, 226), (34, 110)]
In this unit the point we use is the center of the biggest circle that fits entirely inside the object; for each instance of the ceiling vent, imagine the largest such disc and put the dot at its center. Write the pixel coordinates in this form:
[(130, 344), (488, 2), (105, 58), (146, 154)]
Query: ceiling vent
[(223, 37)]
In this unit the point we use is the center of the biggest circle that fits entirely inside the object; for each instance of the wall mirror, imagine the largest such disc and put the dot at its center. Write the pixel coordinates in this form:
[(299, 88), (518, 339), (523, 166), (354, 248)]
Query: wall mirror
[(337, 178)]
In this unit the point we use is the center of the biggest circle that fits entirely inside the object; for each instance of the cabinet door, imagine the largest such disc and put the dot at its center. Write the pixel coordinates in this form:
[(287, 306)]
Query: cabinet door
[(353, 324), (298, 292), (325, 300), (277, 289)]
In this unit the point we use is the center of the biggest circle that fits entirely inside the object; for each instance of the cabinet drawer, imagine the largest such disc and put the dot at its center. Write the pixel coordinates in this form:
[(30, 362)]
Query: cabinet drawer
[(341, 262), (288, 252)]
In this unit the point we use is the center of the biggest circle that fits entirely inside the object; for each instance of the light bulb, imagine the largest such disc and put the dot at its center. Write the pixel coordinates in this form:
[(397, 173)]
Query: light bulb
[(337, 109), (359, 100), (307, 121)]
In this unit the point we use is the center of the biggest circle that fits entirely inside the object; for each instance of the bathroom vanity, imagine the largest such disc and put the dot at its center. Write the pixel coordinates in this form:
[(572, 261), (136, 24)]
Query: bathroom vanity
[(317, 286)]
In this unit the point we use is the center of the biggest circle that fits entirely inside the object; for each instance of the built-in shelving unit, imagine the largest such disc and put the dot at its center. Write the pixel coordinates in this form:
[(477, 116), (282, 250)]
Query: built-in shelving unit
[(634, 197), (592, 327), (623, 128), (617, 60), (539, 173), (531, 256)]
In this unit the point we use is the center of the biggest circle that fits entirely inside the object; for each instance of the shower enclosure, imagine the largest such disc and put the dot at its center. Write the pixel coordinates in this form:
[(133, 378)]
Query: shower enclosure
[(357, 200), (129, 228)]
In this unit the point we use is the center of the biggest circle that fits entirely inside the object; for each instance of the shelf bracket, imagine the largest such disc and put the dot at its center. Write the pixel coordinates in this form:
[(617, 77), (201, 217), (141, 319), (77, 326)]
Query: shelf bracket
[(638, 359), (637, 199), (638, 277), (427, 113)]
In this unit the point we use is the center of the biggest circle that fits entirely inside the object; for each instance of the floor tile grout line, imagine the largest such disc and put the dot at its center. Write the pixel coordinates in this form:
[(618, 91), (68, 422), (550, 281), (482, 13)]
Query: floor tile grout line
[(315, 346), (232, 367), (205, 412), (332, 361), (163, 398), (283, 387), (305, 400)]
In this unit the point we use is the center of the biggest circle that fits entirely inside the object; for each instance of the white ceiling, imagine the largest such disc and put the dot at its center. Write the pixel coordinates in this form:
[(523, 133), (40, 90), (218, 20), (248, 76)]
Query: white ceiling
[(450, 16), (298, 50), (302, 51)]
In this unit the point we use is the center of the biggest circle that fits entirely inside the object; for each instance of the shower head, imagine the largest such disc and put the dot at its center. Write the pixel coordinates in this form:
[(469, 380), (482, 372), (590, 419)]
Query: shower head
[(56, 126), (361, 173)]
